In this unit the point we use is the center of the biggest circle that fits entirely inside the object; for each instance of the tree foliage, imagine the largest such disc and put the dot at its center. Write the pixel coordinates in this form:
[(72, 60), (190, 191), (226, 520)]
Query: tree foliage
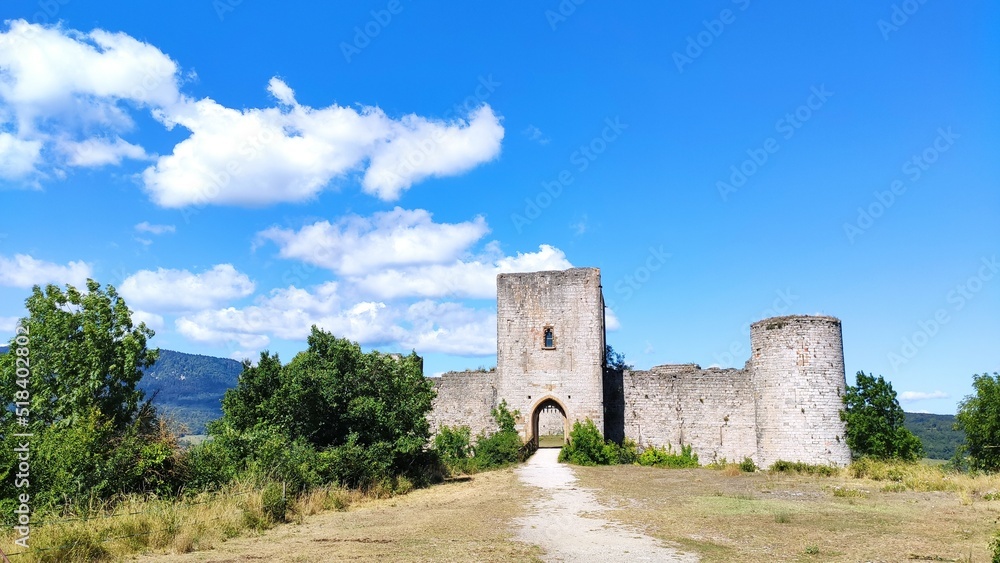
[(979, 417), (615, 360), (363, 414), (85, 353), (875, 421), (93, 436)]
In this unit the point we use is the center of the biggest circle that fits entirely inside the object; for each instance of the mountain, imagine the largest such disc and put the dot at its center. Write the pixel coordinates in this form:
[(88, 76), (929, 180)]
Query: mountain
[(188, 388), (936, 432), (3, 349)]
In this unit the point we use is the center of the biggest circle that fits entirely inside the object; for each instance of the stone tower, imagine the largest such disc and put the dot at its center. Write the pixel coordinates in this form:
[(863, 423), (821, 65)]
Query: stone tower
[(797, 374), (550, 345)]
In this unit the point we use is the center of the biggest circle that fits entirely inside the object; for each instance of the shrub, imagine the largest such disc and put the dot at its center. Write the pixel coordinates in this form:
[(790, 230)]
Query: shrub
[(453, 446), (782, 466), (274, 502), (995, 547), (587, 446), (747, 465), (665, 457), (498, 449), (208, 466)]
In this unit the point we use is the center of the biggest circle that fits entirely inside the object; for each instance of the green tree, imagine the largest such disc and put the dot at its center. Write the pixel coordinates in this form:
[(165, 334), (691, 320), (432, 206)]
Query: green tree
[(979, 417), (93, 434), (84, 353), (371, 406), (875, 421), (615, 360)]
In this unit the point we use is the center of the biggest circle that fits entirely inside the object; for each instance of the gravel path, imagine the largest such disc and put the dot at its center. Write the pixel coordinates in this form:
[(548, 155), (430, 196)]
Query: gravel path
[(563, 520)]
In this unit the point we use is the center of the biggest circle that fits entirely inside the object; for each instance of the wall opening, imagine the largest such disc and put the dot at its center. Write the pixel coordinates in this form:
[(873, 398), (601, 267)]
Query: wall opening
[(549, 424)]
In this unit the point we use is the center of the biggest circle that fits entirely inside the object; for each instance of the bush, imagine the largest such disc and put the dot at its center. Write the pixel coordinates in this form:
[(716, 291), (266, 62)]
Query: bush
[(497, 450), (995, 547), (587, 446), (747, 465), (453, 446), (782, 466), (208, 466), (665, 457), (274, 502)]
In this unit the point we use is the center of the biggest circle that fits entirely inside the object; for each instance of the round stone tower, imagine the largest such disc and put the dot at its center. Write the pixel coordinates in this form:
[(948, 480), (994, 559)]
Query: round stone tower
[(797, 374)]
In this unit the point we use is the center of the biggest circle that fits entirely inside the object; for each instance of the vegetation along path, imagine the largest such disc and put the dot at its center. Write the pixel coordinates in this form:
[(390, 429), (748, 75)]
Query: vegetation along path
[(564, 523)]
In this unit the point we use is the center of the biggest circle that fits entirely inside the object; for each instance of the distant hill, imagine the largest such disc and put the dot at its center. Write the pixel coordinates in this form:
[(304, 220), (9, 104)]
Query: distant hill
[(935, 431), (3, 349), (188, 388)]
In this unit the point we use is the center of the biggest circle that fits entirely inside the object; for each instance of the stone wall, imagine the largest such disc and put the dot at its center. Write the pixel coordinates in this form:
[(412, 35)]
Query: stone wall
[(712, 410), (570, 372), (465, 398), (784, 404)]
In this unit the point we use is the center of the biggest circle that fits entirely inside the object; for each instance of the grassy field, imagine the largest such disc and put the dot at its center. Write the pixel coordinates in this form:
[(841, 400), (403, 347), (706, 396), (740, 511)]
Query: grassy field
[(731, 516), (550, 441), (889, 513)]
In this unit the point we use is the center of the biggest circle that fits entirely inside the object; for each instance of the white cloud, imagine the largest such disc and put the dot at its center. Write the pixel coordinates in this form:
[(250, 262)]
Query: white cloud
[(152, 320), (99, 152), (471, 279), (358, 245), (146, 227), (451, 328), (18, 157), (8, 324), (611, 320), (72, 91), (181, 290), (24, 271), (910, 396), (257, 157), (67, 97)]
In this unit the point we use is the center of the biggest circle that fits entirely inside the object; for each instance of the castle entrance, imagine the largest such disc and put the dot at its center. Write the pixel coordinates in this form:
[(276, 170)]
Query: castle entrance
[(549, 424)]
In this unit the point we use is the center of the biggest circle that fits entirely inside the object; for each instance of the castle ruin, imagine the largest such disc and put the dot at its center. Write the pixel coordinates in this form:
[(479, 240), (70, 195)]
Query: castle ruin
[(784, 404)]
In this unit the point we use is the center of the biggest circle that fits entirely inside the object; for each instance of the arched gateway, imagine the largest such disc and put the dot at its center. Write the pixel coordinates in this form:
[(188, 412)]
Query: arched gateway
[(543, 406)]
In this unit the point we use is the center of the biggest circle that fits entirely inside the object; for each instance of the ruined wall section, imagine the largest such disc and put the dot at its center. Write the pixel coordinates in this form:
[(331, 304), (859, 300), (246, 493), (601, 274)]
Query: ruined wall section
[(571, 304), (797, 372), (464, 398), (710, 409)]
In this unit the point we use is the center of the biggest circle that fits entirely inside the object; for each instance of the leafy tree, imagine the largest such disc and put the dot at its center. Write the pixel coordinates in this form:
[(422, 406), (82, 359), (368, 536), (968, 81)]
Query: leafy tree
[(85, 353), (875, 421), (979, 417), (365, 413), (615, 360), (94, 436)]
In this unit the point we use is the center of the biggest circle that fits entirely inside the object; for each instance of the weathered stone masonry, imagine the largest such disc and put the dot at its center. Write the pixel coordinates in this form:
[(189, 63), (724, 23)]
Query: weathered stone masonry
[(784, 403)]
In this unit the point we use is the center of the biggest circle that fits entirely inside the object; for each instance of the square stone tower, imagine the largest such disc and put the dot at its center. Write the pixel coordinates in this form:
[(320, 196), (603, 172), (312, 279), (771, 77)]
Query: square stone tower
[(550, 345)]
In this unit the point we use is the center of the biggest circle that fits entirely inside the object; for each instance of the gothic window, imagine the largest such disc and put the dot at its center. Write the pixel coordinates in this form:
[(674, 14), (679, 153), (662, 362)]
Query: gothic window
[(549, 339)]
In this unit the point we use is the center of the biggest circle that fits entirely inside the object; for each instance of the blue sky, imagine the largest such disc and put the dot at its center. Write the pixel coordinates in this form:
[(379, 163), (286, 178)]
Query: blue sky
[(241, 171)]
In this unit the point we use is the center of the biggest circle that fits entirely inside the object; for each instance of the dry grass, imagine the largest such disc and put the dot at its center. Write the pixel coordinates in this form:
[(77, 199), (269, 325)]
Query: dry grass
[(792, 517), (466, 519)]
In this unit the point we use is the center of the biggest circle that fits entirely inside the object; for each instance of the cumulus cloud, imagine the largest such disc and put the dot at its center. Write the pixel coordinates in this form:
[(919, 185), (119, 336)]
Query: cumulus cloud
[(168, 290), (289, 313), (24, 271), (910, 396), (8, 324), (152, 320), (146, 227), (403, 253), (358, 245), (69, 94), (67, 97)]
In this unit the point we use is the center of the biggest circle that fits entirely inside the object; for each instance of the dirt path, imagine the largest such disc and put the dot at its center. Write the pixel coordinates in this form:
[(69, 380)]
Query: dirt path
[(564, 521)]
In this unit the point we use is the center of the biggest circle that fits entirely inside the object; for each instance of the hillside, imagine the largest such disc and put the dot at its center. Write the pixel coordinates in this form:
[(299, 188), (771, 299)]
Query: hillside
[(935, 431), (188, 388)]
